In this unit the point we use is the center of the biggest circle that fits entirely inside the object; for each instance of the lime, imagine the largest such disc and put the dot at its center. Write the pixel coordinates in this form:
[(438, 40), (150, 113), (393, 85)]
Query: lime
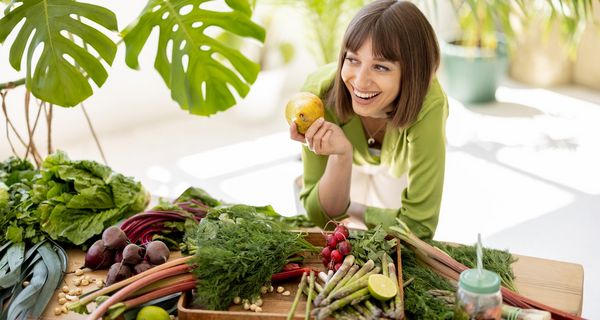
[(381, 287), (152, 313)]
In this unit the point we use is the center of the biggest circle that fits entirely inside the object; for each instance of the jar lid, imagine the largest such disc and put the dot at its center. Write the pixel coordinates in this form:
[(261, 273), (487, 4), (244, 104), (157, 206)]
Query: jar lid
[(488, 282)]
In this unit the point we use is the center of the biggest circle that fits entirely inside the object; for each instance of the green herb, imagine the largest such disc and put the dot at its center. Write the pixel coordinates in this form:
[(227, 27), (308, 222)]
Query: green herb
[(237, 251), (370, 244)]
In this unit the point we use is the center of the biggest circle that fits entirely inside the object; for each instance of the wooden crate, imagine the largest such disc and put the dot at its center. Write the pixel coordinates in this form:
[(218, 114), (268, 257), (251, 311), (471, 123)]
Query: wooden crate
[(275, 305)]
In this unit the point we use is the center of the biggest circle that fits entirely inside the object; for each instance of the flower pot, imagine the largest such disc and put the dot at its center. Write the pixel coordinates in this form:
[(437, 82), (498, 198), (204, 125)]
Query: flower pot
[(471, 74)]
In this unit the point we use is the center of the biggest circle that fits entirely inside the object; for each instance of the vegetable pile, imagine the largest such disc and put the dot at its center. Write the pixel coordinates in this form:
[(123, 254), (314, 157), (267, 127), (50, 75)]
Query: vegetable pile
[(238, 250)]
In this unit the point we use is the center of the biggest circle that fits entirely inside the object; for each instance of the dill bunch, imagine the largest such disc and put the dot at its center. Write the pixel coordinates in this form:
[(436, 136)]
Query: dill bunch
[(237, 251)]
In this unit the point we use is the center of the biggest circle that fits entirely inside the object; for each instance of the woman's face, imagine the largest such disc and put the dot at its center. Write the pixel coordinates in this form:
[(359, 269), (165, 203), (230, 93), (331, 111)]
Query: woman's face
[(373, 83)]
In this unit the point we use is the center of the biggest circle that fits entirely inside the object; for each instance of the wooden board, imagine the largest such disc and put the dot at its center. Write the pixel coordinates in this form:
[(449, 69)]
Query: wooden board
[(275, 306), (555, 283)]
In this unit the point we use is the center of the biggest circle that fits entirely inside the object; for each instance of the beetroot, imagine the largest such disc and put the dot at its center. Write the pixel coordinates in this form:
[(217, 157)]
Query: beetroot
[(157, 252), (118, 256), (98, 256), (114, 238), (132, 254), (117, 272), (141, 267)]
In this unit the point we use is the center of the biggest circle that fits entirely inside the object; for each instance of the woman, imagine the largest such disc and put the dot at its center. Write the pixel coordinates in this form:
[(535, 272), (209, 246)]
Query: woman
[(379, 153)]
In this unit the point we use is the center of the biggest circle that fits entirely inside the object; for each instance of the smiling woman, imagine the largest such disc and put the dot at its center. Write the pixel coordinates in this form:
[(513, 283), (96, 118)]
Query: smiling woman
[(379, 152)]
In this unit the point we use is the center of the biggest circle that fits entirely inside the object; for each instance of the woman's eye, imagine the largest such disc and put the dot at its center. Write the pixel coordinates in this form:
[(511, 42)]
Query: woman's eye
[(379, 67), (351, 60)]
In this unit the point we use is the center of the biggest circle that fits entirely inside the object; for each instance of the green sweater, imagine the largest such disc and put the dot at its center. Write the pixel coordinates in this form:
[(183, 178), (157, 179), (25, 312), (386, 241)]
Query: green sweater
[(418, 150)]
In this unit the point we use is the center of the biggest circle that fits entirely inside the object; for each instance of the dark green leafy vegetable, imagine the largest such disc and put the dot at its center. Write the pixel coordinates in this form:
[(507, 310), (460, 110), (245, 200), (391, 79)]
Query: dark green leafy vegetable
[(79, 199), (371, 244), (237, 251)]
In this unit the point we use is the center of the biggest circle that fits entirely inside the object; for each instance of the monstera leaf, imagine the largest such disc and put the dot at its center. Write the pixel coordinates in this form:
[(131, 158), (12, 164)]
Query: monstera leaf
[(195, 71), (54, 77)]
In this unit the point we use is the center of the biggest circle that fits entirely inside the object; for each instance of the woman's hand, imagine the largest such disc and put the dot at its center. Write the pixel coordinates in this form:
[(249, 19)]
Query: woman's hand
[(324, 138)]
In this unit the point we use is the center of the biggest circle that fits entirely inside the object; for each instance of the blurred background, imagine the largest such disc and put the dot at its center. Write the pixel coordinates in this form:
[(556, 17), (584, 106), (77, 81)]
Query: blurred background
[(523, 79)]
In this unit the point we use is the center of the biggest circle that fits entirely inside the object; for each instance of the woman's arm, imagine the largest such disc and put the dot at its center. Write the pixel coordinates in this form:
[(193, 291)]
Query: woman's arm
[(327, 139)]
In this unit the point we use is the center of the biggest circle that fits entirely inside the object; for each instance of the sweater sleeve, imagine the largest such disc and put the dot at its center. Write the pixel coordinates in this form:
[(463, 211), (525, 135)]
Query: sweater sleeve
[(314, 165), (422, 197)]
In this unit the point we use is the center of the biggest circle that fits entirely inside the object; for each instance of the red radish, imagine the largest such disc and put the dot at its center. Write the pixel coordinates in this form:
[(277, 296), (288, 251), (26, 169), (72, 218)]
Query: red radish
[(98, 256), (337, 266), (325, 262), (345, 247), (326, 253), (336, 256), (339, 237), (331, 241), (343, 230)]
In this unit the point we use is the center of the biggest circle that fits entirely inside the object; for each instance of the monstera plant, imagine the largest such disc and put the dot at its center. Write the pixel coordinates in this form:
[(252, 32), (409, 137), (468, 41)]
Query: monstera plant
[(197, 68)]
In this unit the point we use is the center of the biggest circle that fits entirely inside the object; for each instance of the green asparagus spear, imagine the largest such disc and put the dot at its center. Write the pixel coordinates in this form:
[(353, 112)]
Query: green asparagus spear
[(338, 304), (346, 265), (297, 297)]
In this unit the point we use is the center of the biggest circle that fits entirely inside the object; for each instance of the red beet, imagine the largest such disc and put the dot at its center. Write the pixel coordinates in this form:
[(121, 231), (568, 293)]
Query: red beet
[(141, 267), (98, 256), (133, 254), (117, 272), (114, 238), (157, 252)]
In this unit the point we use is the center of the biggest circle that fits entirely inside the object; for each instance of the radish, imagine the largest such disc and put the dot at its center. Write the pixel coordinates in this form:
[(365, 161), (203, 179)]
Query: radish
[(326, 252), (345, 247), (331, 241), (336, 256)]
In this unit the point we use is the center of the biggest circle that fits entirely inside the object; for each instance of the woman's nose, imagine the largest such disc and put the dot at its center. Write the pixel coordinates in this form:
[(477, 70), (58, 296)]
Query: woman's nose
[(363, 78)]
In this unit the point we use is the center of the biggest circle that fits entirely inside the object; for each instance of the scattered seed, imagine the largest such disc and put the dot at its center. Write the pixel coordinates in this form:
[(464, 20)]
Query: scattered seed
[(85, 282), (286, 293), (246, 306), (271, 289), (78, 272), (263, 290), (258, 309), (57, 311), (78, 291), (25, 283), (259, 303), (62, 301), (77, 281), (61, 295), (64, 310), (253, 307), (65, 289), (237, 300), (280, 289)]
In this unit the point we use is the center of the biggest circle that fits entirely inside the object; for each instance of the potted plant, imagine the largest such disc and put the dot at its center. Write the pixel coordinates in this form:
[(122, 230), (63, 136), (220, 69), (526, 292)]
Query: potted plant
[(475, 60)]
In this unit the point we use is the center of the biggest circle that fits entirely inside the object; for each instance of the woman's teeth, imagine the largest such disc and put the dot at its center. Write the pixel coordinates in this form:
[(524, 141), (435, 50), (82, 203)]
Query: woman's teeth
[(365, 95)]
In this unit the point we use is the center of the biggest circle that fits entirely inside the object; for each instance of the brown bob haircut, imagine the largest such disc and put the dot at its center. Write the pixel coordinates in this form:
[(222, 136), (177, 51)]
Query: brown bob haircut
[(399, 33)]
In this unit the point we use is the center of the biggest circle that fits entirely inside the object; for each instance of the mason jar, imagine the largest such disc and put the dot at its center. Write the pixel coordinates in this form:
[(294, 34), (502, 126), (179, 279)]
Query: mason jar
[(478, 296)]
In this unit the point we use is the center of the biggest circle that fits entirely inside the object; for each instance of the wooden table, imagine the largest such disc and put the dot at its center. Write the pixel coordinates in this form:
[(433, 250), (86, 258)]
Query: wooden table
[(554, 283)]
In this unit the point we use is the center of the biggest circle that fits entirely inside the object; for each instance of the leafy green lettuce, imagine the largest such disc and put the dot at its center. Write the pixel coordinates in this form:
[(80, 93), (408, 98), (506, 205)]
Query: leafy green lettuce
[(79, 199)]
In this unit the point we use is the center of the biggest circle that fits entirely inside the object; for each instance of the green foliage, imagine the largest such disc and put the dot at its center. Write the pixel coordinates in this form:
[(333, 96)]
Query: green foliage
[(371, 244), (201, 84), (54, 78), (238, 251), (79, 199)]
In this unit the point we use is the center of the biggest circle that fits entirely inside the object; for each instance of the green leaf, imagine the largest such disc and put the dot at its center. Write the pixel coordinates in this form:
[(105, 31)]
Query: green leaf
[(52, 77), (202, 86)]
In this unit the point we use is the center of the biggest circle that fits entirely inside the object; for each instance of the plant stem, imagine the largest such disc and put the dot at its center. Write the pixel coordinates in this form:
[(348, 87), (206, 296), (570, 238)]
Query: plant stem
[(12, 84), (311, 286), (292, 311)]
